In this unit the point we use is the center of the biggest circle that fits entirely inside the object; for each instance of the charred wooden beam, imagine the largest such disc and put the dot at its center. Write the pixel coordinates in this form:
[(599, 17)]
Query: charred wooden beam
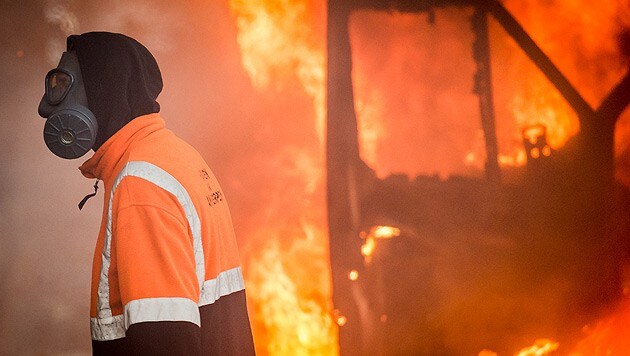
[(342, 160), (483, 88), (615, 103)]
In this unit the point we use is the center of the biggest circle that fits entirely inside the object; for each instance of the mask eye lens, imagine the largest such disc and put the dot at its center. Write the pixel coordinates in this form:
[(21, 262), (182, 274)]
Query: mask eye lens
[(58, 84)]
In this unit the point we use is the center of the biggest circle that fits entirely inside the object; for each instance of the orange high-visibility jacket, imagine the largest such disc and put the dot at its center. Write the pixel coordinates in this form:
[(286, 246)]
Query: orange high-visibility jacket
[(166, 247)]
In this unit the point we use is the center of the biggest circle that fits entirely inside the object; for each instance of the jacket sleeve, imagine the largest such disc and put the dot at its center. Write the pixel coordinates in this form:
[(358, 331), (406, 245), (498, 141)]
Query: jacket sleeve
[(164, 338), (154, 338), (155, 267)]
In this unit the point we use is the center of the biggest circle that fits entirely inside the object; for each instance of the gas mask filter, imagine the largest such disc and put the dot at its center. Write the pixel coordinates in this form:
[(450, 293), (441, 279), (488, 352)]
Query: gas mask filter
[(70, 129)]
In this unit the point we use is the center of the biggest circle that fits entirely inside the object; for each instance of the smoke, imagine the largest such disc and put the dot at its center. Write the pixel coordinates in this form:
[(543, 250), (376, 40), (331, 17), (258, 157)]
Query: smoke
[(140, 18), (59, 15), (46, 244), (264, 148)]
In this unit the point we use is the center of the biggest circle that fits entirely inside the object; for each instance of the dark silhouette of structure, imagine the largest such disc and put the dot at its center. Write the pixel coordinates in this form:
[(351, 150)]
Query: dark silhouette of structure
[(569, 217)]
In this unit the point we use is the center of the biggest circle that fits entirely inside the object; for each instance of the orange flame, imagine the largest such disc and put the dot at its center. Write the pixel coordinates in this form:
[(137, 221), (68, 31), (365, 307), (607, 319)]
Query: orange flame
[(289, 275), (413, 107), (487, 353), (368, 247), (412, 75), (540, 347), (581, 41), (608, 336), (278, 45), (288, 299), (385, 232), (281, 47)]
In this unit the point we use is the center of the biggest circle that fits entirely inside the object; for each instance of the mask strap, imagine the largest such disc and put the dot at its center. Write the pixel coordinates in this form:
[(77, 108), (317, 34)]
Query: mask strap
[(85, 199)]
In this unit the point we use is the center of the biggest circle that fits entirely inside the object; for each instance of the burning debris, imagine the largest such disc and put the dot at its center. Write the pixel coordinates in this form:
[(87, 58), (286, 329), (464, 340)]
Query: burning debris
[(490, 244), (430, 91), (476, 265)]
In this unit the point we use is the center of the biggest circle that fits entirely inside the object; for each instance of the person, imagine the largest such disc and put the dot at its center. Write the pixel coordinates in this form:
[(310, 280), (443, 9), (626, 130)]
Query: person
[(166, 275)]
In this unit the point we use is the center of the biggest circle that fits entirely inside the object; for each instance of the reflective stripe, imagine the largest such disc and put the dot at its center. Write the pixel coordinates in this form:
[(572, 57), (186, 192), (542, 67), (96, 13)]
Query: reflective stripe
[(107, 328), (164, 180), (141, 310), (227, 282), (161, 309)]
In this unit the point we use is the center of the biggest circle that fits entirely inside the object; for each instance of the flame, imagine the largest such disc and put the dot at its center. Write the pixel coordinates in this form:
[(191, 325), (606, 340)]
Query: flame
[(593, 65), (293, 311), (434, 130), (534, 102), (413, 109), (368, 247), (370, 241), (384, 232), (608, 336), (278, 44), (487, 353), (416, 114), (288, 277), (540, 347)]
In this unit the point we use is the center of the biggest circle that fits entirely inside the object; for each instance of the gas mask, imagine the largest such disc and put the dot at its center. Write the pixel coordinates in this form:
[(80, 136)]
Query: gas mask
[(70, 129)]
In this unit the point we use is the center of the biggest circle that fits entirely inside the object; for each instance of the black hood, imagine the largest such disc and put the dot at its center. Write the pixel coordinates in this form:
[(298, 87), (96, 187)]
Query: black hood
[(122, 79)]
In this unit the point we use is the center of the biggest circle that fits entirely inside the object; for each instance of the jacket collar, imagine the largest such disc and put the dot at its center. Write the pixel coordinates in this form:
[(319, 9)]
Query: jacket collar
[(102, 164)]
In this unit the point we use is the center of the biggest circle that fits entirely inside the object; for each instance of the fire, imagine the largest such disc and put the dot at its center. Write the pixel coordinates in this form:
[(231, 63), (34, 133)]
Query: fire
[(370, 240), (416, 113), (487, 353), (278, 45), (288, 274), (413, 107), (368, 247), (593, 66), (289, 301), (540, 347), (608, 336), (529, 101), (384, 232)]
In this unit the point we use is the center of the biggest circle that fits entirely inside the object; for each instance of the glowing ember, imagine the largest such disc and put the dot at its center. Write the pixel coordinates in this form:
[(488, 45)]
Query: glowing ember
[(384, 232), (368, 247), (340, 319), (353, 275)]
